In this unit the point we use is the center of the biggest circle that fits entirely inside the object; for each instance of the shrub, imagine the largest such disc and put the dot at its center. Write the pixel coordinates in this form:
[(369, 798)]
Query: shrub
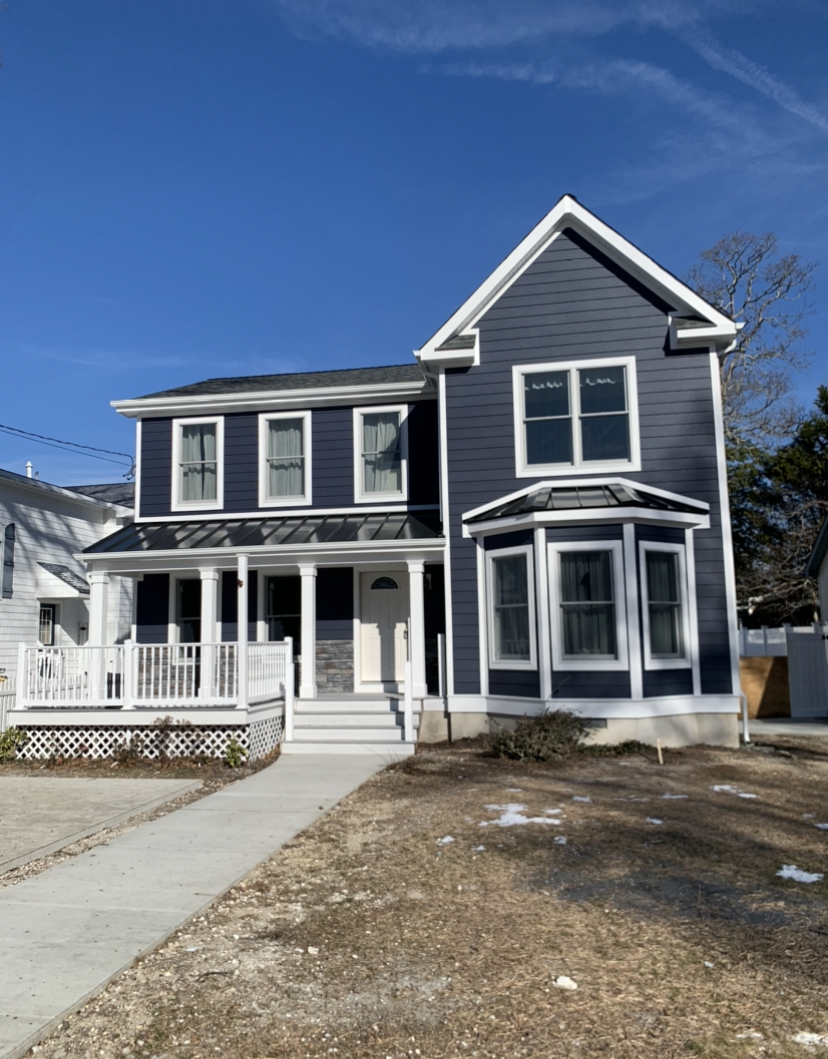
[(542, 738), (10, 742), (235, 754)]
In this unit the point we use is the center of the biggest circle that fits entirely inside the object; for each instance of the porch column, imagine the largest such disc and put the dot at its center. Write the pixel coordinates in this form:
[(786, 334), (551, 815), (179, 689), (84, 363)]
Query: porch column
[(416, 629), (209, 605), (98, 608), (307, 687), (241, 630)]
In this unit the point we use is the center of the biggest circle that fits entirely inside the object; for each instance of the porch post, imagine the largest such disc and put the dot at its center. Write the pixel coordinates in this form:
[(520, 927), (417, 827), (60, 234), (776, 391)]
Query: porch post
[(416, 629), (98, 608), (307, 685), (241, 631), (209, 618)]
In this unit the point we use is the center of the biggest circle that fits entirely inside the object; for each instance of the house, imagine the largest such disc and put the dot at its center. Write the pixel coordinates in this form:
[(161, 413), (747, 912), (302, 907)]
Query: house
[(817, 566), (44, 595), (531, 514)]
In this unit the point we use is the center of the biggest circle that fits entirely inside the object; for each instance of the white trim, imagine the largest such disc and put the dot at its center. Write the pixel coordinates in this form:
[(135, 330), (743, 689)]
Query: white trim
[(633, 625), (599, 709), (544, 630), (402, 494), (383, 507), (266, 501), (572, 367), (482, 619), (559, 662), (585, 517), (684, 588), (136, 500), (176, 503), (446, 522), (270, 400), (572, 483), (510, 664), (724, 517), (693, 609), (568, 212)]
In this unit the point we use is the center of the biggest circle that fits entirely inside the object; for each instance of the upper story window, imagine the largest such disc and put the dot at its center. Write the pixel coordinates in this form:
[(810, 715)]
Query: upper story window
[(580, 415), (380, 451), (665, 613), (284, 459), (198, 459)]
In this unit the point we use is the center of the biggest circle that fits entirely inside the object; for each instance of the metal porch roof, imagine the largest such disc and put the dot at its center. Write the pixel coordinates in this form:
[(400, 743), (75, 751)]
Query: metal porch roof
[(584, 497), (285, 532)]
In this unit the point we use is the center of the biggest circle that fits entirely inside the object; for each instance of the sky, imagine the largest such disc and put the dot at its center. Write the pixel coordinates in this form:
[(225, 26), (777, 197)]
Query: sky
[(202, 188)]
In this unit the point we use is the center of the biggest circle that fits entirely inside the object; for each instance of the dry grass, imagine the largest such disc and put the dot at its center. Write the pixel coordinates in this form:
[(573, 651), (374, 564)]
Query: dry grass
[(443, 951)]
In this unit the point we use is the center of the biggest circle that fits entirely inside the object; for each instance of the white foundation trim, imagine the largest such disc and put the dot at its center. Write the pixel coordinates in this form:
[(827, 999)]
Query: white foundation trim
[(599, 709), (633, 622)]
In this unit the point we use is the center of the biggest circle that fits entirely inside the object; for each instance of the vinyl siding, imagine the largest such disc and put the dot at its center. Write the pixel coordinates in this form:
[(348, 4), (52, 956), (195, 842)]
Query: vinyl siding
[(573, 304)]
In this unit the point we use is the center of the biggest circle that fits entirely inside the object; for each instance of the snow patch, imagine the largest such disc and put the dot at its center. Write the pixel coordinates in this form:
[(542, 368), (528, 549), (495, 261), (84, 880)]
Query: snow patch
[(674, 797), (578, 798), (564, 982), (821, 827), (728, 788), (478, 849), (811, 1040), (444, 841), (654, 820), (790, 871), (560, 840), (513, 814)]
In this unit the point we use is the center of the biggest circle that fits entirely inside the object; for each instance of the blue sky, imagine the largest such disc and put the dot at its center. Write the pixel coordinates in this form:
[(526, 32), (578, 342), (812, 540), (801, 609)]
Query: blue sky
[(198, 188)]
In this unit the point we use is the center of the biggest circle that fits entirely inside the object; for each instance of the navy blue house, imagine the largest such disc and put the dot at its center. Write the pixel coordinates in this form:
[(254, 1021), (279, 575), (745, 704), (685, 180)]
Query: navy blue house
[(533, 512)]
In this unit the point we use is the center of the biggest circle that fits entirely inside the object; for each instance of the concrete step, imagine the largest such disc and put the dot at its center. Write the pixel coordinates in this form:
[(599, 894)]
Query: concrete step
[(349, 735), (348, 720), (385, 751), (345, 706)]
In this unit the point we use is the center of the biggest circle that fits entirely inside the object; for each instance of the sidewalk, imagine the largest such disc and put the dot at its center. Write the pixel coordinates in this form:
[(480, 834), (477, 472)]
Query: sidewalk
[(70, 930)]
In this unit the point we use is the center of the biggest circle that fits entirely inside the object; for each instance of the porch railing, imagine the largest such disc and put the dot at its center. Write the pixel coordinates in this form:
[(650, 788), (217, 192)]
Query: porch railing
[(132, 676)]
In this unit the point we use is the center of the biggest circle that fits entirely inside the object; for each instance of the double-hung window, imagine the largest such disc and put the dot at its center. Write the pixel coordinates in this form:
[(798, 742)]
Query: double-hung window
[(284, 459), (380, 451), (580, 415), (198, 473), (512, 642), (588, 605), (665, 611)]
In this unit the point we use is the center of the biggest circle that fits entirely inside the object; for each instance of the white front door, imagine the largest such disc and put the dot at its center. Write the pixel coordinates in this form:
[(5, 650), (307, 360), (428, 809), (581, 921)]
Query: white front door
[(384, 624)]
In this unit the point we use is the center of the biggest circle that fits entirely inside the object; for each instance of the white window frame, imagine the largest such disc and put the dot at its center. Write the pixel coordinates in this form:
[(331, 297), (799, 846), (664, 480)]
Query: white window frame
[(559, 662), (530, 664), (541, 470), (197, 505), (307, 446), (360, 496), (685, 589)]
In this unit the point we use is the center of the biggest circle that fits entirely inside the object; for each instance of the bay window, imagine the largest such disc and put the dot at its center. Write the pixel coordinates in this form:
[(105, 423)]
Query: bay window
[(284, 459), (665, 612), (588, 609), (576, 415), (512, 642)]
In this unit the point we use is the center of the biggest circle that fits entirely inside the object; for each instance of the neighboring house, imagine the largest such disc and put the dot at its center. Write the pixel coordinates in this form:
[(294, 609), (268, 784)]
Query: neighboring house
[(44, 595), (817, 566), (543, 491)]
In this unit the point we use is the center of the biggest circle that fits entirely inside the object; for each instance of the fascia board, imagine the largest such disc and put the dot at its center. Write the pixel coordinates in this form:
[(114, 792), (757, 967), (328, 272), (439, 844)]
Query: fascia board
[(575, 483), (818, 552), (568, 212), (270, 400), (588, 516)]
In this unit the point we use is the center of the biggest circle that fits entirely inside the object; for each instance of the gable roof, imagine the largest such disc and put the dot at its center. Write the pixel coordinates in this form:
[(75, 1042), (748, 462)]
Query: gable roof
[(819, 550), (121, 495), (694, 321)]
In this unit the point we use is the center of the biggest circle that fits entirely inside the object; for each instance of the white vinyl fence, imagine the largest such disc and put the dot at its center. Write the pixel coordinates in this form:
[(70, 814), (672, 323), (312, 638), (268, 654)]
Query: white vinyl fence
[(765, 642), (7, 700), (808, 671)]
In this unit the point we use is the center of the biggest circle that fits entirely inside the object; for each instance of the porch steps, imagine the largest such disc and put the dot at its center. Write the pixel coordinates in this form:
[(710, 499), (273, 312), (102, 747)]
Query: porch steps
[(350, 725)]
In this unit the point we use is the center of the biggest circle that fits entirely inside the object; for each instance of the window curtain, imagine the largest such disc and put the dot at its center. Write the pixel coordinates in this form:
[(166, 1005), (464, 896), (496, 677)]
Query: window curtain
[(511, 609), (664, 602), (587, 604), (286, 458), (199, 466), (381, 452)]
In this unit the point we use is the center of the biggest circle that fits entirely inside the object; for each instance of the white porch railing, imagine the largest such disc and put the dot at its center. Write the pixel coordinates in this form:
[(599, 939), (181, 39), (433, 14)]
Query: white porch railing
[(130, 676)]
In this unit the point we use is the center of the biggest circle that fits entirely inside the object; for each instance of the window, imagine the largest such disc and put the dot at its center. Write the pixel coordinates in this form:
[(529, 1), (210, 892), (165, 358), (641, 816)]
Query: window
[(380, 449), (576, 415), (588, 606), (46, 625), (511, 609), (285, 459), (7, 540), (666, 621), (283, 610), (198, 472)]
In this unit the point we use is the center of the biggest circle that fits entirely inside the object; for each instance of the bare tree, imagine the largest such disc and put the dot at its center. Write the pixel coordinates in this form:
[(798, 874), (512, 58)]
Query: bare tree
[(744, 276)]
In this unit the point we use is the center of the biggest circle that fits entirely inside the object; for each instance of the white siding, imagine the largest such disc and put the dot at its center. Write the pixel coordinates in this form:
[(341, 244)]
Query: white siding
[(53, 528)]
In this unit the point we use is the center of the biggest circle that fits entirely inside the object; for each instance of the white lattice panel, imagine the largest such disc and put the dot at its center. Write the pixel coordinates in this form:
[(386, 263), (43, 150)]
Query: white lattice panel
[(99, 741), (264, 736)]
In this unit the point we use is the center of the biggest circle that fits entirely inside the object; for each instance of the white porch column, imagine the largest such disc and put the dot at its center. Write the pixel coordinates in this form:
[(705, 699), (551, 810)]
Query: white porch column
[(209, 605), (241, 630), (98, 608), (416, 629), (307, 686)]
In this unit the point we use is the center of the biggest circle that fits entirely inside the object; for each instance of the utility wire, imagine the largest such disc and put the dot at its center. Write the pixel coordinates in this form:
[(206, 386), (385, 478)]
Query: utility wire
[(57, 443)]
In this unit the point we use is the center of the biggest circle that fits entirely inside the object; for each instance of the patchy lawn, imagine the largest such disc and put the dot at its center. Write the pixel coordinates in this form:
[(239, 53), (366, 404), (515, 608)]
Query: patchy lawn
[(386, 930)]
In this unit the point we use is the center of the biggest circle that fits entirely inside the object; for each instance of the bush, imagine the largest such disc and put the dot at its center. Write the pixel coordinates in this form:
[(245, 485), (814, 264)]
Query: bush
[(10, 742), (235, 755), (551, 735)]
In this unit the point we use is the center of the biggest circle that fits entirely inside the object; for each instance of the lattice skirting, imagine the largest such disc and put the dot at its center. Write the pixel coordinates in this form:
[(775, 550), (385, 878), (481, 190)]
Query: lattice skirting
[(150, 741)]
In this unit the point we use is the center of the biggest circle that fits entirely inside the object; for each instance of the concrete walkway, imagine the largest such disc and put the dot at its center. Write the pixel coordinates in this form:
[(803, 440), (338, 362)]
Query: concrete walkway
[(801, 726), (69, 931), (41, 814)]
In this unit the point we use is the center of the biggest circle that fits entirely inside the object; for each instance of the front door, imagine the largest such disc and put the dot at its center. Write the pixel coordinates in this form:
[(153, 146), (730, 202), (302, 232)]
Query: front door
[(384, 628)]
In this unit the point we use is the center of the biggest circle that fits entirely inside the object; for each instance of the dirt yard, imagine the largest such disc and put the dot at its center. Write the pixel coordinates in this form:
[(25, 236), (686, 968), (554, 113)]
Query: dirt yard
[(425, 916)]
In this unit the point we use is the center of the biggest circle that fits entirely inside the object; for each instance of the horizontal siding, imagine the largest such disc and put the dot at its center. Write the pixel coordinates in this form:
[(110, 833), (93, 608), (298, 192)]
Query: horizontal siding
[(517, 682), (573, 304), (667, 682)]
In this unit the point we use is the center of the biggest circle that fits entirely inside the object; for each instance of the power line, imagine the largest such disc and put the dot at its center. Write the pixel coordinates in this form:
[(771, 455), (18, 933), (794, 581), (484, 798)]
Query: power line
[(57, 443)]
